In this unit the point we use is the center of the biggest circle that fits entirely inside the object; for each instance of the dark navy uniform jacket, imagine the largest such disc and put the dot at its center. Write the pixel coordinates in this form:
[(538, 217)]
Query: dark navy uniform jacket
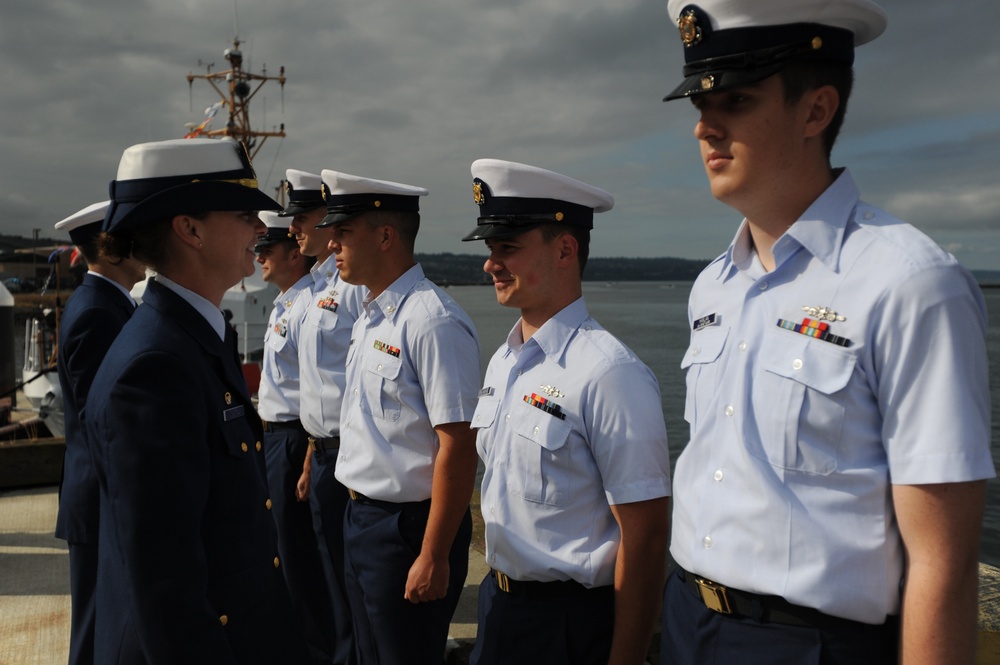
[(94, 315), (189, 569)]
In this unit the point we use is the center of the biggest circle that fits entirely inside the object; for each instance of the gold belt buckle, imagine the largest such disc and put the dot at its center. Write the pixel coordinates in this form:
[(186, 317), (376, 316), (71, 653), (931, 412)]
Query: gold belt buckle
[(502, 581), (714, 596), (312, 443), (351, 493)]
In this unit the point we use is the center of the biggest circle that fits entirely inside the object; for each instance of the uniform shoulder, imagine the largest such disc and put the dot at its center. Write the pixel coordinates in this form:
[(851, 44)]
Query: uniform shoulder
[(433, 300), (900, 241), (599, 344)]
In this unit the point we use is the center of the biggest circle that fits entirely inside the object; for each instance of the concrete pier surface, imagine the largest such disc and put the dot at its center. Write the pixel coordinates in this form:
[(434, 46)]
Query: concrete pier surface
[(34, 585), (35, 605)]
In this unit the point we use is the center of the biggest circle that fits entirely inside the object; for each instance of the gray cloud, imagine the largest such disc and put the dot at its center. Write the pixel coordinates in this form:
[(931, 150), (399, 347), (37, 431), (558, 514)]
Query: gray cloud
[(415, 92)]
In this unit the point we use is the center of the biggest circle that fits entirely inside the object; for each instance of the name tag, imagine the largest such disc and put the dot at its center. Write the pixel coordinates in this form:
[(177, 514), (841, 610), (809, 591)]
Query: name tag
[(706, 321), (233, 413), (486, 392)]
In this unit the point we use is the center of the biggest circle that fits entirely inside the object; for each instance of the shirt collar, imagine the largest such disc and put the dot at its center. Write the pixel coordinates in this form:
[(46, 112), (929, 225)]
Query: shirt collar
[(212, 314), (388, 301), (324, 272), (118, 286), (820, 230), (555, 334), (292, 291)]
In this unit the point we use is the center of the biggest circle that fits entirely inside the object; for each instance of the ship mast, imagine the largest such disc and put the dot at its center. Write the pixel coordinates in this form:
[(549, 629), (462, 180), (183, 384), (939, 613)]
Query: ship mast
[(237, 87)]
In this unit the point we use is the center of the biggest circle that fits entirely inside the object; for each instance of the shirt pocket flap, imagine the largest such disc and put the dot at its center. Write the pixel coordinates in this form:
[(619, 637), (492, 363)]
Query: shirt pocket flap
[(486, 412), (706, 346), (384, 365), (819, 365), (547, 430)]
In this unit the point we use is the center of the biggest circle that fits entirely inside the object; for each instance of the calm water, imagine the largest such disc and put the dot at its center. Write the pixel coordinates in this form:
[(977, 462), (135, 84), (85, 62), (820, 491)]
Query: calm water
[(651, 318)]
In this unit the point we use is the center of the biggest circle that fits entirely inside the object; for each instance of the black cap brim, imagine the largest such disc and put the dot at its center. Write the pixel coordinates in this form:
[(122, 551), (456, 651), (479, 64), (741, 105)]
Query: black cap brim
[(719, 80), (298, 209), (335, 218), (495, 230), (193, 197)]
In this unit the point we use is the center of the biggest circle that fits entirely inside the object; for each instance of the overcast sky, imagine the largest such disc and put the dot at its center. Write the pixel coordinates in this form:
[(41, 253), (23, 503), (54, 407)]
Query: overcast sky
[(415, 90)]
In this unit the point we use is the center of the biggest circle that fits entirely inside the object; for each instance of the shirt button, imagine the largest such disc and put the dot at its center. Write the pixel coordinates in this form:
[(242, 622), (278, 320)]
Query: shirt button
[(718, 475), (520, 372), (507, 418), (355, 391), (707, 542), (276, 562), (869, 215), (730, 410), (743, 346), (380, 368), (797, 363), (267, 504), (244, 447), (763, 286), (535, 431), (696, 351), (493, 558)]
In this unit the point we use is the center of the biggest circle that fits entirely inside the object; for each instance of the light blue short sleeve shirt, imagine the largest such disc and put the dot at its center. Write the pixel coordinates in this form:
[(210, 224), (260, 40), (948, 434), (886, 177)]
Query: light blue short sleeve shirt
[(278, 395), (569, 423), (857, 363), (329, 315), (413, 364)]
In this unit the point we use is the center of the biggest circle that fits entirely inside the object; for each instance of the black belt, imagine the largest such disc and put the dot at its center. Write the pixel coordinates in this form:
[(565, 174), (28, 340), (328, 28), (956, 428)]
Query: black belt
[(274, 427), (766, 609), (540, 590), (324, 443), (390, 505)]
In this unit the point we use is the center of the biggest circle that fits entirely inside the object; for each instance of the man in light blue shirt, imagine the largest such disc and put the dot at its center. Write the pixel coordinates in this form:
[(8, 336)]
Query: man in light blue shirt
[(330, 310), (828, 506), (285, 440), (571, 431), (407, 456)]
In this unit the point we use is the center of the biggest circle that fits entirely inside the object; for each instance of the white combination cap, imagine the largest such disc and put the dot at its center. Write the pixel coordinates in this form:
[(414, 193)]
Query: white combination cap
[(277, 230), (84, 225), (730, 43), (304, 191), (348, 196), (165, 178), (514, 198)]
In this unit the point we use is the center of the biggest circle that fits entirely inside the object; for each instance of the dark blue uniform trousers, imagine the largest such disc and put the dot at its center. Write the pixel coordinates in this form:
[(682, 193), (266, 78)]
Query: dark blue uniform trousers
[(302, 562), (83, 590), (695, 635), (328, 501), (562, 630), (382, 541)]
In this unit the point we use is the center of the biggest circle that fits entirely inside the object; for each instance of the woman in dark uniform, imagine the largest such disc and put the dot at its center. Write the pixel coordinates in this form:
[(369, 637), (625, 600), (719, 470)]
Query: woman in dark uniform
[(189, 569)]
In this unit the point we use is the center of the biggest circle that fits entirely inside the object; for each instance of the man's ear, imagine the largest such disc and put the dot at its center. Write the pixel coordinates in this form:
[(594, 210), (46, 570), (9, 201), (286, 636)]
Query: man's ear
[(823, 103), (568, 249)]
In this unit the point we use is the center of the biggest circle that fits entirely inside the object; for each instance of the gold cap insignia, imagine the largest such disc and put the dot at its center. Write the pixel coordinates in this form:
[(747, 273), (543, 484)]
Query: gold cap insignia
[(288, 187), (378, 204), (477, 193), (229, 398), (707, 82), (322, 190), (559, 217), (817, 43), (687, 23)]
